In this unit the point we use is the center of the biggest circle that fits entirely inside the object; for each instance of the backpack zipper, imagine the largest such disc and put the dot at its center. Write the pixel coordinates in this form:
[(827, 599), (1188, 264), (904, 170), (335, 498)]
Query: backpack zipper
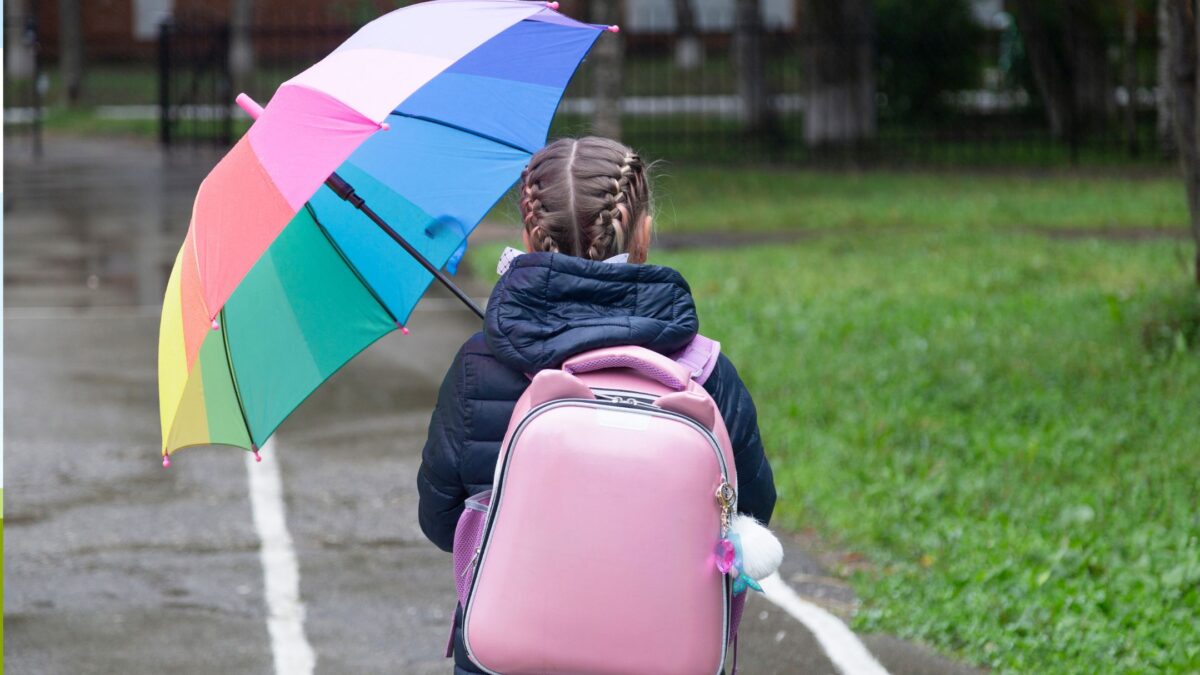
[(624, 395), (635, 405), (471, 565)]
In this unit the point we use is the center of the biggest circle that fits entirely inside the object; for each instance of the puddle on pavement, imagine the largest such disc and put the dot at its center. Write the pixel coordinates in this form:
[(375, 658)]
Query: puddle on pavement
[(96, 223)]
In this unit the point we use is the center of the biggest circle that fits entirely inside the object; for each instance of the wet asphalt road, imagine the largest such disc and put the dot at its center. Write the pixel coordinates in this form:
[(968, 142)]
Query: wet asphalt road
[(114, 565)]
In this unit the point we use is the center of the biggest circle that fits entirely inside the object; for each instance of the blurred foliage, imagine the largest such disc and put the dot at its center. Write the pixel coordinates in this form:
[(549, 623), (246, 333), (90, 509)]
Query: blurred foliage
[(1013, 62), (716, 199), (1075, 32), (926, 48), (1102, 17), (359, 12)]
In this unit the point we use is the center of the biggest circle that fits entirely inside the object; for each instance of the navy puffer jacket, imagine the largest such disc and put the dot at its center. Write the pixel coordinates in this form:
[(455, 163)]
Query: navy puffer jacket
[(545, 309)]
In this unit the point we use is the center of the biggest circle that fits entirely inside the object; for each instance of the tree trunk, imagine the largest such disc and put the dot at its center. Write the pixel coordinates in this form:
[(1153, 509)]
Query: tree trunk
[(1164, 127), (607, 59), (1047, 67), (70, 49), (241, 44), (689, 51), (839, 70), (18, 52), (1088, 72), (1069, 59), (1184, 65), (1129, 77), (753, 108)]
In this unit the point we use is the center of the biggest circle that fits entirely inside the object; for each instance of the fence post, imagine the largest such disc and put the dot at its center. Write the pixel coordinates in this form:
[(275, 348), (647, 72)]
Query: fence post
[(1073, 134), (608, 59), (31, 35), (164, 83)]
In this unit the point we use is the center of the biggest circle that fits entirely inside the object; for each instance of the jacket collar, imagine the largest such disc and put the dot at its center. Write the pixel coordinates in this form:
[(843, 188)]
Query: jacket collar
[(548, 307)]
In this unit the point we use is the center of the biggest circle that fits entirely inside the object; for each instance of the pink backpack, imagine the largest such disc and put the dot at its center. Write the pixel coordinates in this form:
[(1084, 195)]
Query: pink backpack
[(595, 550)]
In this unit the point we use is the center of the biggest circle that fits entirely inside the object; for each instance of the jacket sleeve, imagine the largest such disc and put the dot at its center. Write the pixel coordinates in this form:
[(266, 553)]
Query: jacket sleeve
[(756, 484), (439, 483)]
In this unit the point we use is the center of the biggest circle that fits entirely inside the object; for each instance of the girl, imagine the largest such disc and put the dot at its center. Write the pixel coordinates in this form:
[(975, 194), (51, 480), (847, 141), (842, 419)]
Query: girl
[(583, 285)]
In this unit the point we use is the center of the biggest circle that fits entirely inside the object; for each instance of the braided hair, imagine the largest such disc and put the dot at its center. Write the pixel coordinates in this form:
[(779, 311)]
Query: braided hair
[(585, 197)]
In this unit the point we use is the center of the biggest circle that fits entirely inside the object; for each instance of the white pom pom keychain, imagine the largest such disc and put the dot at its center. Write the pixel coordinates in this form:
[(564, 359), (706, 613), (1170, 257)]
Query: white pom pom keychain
[(749, 552), (762, 552)]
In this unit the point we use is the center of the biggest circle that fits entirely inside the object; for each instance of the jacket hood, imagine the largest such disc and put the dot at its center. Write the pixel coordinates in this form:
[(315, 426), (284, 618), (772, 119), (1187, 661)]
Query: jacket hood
[(549, 307)]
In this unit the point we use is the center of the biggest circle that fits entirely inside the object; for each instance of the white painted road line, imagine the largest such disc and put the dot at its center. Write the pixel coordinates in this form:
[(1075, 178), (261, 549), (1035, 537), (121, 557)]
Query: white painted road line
[(841, 645), (281, 574), (292, 653)]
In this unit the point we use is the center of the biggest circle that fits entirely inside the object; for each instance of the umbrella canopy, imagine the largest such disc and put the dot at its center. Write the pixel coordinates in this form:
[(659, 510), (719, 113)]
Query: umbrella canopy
[(430, 112)]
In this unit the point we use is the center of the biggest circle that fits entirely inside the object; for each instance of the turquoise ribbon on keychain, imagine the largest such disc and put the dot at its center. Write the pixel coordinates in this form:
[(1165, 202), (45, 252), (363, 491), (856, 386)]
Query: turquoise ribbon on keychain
[(729, 561)]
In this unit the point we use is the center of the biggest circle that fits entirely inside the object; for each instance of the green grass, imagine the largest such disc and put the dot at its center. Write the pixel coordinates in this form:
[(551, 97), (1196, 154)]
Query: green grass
[(1003, 424), (84, 122), (690, 200), (1006, 425), (719, 199), (105, 83)]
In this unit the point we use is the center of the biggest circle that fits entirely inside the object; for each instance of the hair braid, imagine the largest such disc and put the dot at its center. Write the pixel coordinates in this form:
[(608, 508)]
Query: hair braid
[(612, 230), (531, 207), (585, 197), (607, 230)]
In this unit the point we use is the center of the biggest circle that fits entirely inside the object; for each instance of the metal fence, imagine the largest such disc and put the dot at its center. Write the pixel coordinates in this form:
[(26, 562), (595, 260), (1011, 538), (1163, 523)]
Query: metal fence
[(682, 100), (998, 118), (194, 84)]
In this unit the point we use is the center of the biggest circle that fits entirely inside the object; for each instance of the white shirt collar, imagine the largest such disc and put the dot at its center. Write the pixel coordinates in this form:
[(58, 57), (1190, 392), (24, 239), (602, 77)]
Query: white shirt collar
[(509, 254)]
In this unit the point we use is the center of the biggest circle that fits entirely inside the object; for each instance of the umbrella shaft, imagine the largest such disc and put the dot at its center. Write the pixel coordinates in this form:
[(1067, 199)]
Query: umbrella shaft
[(344, 190)]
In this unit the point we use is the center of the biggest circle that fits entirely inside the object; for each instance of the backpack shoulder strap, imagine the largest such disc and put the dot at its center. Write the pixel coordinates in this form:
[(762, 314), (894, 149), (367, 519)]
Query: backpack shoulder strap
[(700, 357)]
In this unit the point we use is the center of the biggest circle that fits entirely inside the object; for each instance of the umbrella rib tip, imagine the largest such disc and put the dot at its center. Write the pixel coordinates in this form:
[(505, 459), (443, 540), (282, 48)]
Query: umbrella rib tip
[(614, 28)]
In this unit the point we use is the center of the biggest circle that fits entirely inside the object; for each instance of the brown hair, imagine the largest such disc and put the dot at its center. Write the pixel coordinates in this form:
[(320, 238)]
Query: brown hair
[(585, 197)]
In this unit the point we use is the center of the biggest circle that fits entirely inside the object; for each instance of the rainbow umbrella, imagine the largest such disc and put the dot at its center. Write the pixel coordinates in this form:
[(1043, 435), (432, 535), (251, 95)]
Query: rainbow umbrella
[(321, 229)]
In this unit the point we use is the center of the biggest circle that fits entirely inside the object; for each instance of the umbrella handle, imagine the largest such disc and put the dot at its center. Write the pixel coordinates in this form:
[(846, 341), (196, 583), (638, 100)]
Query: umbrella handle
[(344, 190)]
